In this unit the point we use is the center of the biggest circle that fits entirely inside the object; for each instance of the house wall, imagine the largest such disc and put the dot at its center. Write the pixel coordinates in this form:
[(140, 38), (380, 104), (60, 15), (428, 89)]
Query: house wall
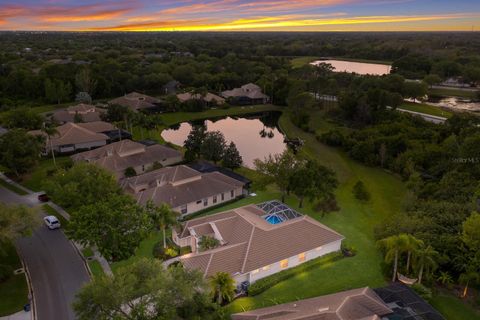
[(78, 146), (292, 262), (193, 207)]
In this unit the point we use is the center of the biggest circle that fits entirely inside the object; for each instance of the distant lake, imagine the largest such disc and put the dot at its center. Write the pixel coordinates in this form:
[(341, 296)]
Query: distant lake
[(255, 136), (357, 67)]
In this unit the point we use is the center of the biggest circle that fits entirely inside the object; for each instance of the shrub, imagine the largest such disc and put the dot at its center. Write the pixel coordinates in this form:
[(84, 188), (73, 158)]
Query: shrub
[(360, 192), (130, 172), (263, 284), (327, 205), (162, 253), (422, 291), (332, 138), (6, 271), (348, 250)]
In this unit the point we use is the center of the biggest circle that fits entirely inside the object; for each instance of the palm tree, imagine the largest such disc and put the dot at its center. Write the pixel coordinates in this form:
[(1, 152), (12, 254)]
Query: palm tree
[(207, 243), (411, 246), (425, 257), (470, 275), (445, 278), (393, 246), (163, 217), (222, 287), (50, 131)]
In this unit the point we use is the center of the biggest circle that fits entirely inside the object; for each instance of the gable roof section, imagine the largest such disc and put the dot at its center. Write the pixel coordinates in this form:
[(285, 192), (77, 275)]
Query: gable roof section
[(76, 133), (120, 155), (253, 243), (249, 90), (136, 101), (356, 304), (209, 97)]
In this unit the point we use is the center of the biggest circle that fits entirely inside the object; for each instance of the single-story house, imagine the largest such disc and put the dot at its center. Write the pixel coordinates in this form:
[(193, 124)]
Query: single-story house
[(183, 188), (84, 112), (255, 241), (209, 98), (246, 94), (355, 304), (74, 137), (118, 156), (171, 87), (137, 102)]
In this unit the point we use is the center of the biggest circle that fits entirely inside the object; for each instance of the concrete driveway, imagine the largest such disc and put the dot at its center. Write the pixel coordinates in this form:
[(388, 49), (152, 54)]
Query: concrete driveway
[(56, 269)]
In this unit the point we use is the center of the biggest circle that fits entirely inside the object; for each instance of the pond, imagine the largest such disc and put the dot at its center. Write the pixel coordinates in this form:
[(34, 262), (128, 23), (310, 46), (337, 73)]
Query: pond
[(454, 103), (357, 67), (256, 136)]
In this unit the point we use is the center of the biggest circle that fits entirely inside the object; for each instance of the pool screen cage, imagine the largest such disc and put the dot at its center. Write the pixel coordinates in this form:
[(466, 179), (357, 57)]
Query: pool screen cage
[(275, 208)]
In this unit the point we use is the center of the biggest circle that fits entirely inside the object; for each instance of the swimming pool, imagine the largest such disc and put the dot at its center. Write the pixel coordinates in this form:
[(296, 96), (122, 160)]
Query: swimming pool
[(273, 219)]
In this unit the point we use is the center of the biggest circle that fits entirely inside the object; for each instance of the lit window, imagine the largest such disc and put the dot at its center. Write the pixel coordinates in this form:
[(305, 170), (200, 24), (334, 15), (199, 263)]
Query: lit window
[(284, 264), (255, 271), (301, 257), (266, 268)]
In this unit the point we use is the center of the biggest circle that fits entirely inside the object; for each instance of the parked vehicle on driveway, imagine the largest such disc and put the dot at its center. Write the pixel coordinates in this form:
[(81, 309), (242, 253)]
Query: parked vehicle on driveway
[(43, 197), (52, 222)]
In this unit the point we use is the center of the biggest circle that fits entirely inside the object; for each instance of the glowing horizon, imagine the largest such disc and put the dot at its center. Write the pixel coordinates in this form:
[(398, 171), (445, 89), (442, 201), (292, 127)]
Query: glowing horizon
[(240, 15)]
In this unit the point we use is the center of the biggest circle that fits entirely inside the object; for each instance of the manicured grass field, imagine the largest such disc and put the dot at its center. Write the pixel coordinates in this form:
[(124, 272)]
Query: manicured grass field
[(452, 92), (13, 188), (96, 268), (452, 308), (14, 290), (425, 108), (354, 220)]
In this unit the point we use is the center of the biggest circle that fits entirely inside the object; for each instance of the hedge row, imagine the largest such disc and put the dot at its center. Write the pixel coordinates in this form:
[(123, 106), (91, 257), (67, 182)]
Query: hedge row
[(263, 284)]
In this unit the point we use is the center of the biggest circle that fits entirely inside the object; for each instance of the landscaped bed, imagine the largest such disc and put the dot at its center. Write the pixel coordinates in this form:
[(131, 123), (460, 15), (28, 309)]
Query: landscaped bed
[(13, 290)]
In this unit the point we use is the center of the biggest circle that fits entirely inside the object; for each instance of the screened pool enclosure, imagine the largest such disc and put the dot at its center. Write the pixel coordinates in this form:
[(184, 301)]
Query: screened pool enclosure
[(277, 212)]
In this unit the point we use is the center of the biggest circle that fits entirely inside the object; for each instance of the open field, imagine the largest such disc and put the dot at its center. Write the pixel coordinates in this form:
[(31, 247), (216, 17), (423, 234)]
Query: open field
[(425, 108)]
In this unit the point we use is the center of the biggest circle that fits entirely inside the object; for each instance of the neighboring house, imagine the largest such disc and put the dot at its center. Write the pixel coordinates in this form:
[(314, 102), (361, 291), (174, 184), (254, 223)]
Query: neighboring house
[(205, 167), (137, 102), (356, 304), (255, 241), (183, 188), (75, 137), (246, 94), (171, 87), (118, 156), (86, 113), (209, 98), (3, 131)]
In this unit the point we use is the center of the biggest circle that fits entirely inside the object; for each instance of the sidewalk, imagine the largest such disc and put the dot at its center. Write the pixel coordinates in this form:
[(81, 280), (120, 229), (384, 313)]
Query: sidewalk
[(21, 315)]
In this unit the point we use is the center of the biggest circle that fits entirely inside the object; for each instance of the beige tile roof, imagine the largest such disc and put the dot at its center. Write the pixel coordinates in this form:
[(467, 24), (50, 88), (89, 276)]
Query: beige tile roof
[(209, 97), (136, 101), (249, 90), (81, 108), (118, 156), (356, 304), (189, 188), (159, 177), (254, 243), (76, 133), (88, 113)]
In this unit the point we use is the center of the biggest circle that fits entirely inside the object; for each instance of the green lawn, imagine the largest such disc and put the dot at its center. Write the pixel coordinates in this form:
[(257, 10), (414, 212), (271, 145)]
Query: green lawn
[(355, 221), (96, 268), (34, 179), (14, 290), (452, 308), (12, 187), (452, 92), (301, 61), (143, 251), (425, 108)]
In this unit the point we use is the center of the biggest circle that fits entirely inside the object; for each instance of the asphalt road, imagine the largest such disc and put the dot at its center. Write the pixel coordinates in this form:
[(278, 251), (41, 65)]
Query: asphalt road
[(56, 270)]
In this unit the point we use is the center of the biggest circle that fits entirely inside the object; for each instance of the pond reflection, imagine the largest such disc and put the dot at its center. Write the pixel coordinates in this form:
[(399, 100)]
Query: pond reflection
[(255, 136)]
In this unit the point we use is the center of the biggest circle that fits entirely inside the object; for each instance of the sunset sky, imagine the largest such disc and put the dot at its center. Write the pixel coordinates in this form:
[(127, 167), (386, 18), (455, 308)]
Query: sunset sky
[(240, 15)]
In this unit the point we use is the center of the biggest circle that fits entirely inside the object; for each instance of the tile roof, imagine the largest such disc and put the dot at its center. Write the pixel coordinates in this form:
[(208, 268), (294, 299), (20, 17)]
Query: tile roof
[(120, 155), (136, 101), (76, 133), (251, 242), (180, 185), (249, 90), (209, 97), (356, 304)]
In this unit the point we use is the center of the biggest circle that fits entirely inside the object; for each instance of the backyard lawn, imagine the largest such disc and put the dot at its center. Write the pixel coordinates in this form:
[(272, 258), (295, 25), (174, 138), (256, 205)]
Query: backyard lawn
[(355, 221), (34, 179), (452, 308)]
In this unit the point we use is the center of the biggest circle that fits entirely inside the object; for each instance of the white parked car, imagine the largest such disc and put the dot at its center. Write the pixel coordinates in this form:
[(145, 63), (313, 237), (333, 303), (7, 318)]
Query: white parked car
[(51, 222)]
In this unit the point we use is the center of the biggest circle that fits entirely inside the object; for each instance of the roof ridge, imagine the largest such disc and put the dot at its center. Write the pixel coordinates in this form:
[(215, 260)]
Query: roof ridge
[(248, 249)]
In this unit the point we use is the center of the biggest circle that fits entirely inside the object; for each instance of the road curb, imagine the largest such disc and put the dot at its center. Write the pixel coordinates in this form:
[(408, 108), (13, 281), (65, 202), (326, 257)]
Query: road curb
[(33, 307), (79, 252)]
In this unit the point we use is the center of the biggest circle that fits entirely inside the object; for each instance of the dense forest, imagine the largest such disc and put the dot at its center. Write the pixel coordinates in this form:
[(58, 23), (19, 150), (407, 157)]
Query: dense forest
[(39, 68)]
